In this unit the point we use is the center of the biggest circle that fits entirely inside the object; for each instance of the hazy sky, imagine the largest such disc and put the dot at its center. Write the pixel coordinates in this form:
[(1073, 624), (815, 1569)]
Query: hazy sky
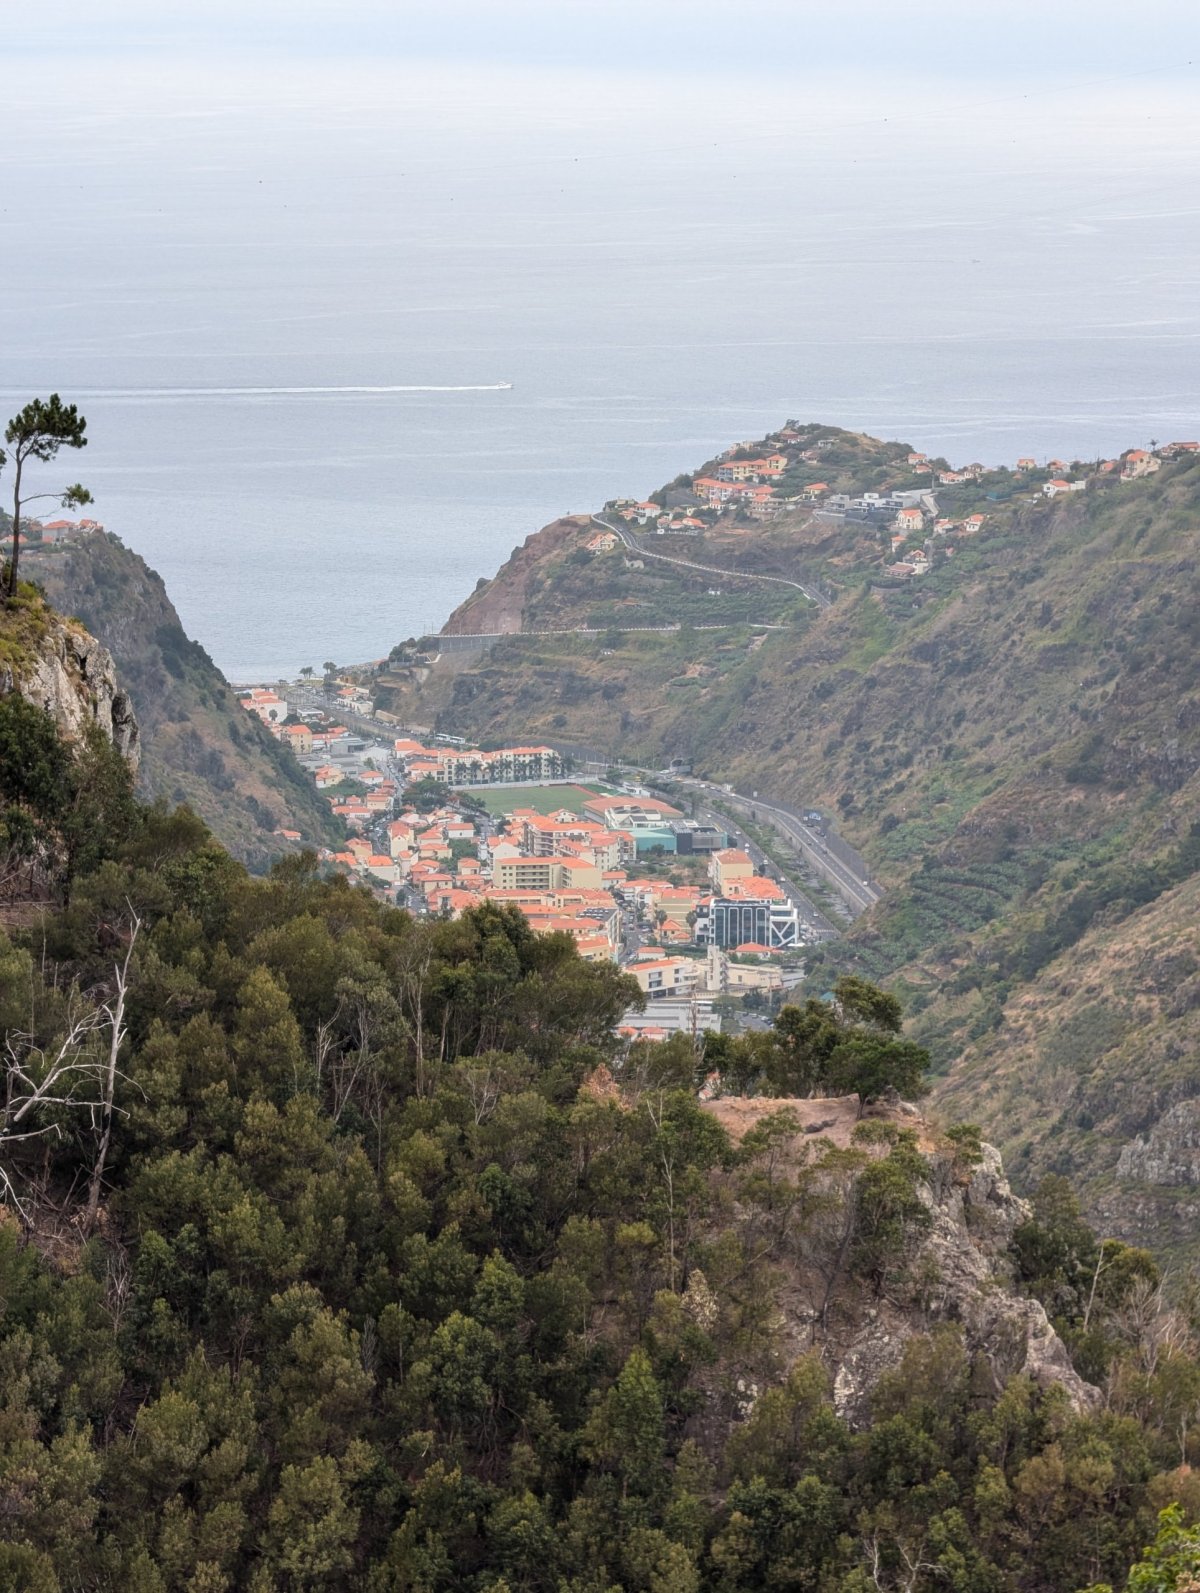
[(670, 223), (969, 38)]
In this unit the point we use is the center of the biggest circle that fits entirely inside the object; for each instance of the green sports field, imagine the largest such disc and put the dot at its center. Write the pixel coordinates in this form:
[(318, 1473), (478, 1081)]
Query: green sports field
[(541, 798)]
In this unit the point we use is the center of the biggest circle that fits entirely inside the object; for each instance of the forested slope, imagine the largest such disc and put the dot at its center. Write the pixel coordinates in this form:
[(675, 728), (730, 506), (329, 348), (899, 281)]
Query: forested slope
[(339, 1250)]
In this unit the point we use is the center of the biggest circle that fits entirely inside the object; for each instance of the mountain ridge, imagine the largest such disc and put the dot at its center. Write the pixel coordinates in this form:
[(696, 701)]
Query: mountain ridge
[(1012, 740), (198, 745)]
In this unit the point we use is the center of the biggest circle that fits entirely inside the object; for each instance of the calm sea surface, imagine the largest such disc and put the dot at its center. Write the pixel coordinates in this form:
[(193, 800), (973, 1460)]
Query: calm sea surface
[(658, 271)]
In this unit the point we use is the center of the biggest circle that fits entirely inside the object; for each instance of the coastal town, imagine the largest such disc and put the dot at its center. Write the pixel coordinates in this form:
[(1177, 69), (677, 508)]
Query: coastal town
[(679, 897), (440, 828)]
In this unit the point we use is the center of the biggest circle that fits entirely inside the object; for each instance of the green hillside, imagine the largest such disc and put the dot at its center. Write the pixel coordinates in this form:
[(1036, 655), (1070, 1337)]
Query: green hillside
[(1012, 739), (333, 1255)]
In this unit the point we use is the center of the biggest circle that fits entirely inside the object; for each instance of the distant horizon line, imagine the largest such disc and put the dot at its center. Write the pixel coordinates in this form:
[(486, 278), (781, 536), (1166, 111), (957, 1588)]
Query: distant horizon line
[(268, 392)]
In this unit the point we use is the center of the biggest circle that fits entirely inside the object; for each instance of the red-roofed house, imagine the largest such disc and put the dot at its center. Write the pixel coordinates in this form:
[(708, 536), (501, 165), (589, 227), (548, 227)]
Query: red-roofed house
[(909, 519), (727, 866), (668, 976)]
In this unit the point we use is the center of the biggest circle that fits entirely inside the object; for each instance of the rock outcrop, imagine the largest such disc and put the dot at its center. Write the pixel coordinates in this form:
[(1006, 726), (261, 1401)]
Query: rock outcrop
[(965, 1277), (74, 679), (960, 1269)]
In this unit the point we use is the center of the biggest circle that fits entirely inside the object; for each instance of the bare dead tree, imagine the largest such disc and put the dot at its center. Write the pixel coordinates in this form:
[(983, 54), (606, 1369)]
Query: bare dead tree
[(114, 1013), (37, 1080), (655, 1110), (912, 1569), (118, 1283), (485, 1086), (1150, 1325), (78, 1074), (325, 1047), (414, 973)]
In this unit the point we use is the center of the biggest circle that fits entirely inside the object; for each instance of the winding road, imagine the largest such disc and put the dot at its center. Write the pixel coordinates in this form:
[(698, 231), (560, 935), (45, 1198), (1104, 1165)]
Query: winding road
[(468, 641), (634, 546)]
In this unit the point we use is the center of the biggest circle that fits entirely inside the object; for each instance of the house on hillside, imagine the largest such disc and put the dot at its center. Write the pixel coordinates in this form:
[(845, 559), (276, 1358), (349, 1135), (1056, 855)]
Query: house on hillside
[(737, 470), (1136, 463), (761, 502), (715, 493), (602, 542), (909, 520), (751, 469)]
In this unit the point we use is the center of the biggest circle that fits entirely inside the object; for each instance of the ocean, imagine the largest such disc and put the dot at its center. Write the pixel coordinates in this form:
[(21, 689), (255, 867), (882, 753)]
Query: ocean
[(659, 267)]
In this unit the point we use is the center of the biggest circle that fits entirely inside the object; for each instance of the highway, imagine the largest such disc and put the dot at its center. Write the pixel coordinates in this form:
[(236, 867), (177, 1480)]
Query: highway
[(811, 916), (820, 851)]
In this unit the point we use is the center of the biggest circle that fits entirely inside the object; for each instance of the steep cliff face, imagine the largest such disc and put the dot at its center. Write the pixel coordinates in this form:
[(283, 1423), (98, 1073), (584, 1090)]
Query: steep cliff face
[(499, 605), (197, 744), (1091, 1072), (966, 1279), (62, 669), (958, 1265)]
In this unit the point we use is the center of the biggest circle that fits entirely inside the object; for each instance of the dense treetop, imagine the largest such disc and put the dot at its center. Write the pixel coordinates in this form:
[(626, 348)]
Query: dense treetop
[(383, 1290)]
